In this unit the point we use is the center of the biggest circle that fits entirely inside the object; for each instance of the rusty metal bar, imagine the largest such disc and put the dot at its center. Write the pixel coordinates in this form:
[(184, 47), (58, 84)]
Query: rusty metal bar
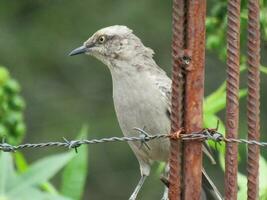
[(194, 95), (178, 38), (188, 67), (253, 100), (232, 103)]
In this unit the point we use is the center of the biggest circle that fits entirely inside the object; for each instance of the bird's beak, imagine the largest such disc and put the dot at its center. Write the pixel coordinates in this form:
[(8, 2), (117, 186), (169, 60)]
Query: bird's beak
[(78, 50)]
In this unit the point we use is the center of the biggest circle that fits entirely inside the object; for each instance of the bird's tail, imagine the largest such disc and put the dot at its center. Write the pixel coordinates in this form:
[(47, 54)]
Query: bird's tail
[(210, 190)]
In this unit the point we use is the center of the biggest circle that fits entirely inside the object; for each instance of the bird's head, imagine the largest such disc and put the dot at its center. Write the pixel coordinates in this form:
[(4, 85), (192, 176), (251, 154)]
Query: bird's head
[(113, 43)]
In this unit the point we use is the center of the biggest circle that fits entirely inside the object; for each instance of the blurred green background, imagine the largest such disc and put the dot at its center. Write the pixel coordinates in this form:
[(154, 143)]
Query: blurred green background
[(62, 92)]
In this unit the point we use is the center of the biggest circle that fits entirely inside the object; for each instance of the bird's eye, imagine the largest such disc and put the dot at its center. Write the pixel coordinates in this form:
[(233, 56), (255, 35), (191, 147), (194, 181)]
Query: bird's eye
[(102, 39)]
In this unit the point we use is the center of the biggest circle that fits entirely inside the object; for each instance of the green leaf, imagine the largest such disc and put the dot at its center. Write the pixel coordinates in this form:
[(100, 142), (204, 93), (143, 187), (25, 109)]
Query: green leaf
[(36, 194), (160, 168), (75, 173), (263, 69), (7, 172), (4, 75), (216, 94), (217, 100), (262, 178), (242, 181), (48, 187), (40, 172), (242, 186), (22, 166), (21, 163)]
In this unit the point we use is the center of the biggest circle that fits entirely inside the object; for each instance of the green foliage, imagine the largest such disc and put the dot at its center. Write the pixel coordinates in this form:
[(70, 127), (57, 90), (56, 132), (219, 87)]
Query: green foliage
[(264, 70), (214, 103), (12, 126), (24, 186), (216, 24), (216, 41), (38, 172), (20, 181), (74, 174), (242, 182)]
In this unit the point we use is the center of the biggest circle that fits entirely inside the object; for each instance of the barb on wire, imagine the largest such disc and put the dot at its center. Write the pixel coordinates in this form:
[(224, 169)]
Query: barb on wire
[(6, 147), (144, 138), (144, 135), (73, 144)]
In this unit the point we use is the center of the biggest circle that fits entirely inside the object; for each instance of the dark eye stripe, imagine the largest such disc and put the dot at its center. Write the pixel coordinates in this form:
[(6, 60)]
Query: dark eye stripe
[(90, 45)]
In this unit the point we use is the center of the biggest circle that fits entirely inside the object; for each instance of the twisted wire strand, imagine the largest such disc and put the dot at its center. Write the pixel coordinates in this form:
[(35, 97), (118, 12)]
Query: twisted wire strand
[(205, 134)]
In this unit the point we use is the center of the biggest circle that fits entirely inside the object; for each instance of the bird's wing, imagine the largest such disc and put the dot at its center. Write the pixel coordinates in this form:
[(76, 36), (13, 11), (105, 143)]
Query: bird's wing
[(163, 82)]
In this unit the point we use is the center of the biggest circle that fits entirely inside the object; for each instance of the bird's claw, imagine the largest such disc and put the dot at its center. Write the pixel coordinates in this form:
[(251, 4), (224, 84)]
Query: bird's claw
[(164, 198)]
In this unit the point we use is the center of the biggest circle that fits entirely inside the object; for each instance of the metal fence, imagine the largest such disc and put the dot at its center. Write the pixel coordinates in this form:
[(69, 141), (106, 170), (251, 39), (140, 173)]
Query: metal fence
[(188, 50), (188, 53)]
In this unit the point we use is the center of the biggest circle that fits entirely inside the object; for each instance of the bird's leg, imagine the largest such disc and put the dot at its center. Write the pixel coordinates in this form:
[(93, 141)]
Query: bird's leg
[(165, 180), (138, 187), (165, 194)]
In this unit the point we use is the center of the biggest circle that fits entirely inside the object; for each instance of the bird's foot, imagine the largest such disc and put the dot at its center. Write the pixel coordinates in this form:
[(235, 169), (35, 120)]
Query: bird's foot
[(165, 198), (132, 198), (138, 187), (165, 194)]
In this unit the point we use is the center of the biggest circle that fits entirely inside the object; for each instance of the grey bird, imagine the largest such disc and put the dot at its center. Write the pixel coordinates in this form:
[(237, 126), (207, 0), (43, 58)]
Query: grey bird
[(141, 94)]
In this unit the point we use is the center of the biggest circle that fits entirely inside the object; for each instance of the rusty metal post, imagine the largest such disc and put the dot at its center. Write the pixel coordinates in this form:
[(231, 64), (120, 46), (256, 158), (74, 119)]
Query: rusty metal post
[(194, 95), (187, 95), (232, 103), (253, 100), (178, 44)]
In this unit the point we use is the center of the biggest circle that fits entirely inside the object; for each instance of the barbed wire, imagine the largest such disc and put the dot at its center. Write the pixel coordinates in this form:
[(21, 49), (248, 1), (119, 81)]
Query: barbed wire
[(143, 138)]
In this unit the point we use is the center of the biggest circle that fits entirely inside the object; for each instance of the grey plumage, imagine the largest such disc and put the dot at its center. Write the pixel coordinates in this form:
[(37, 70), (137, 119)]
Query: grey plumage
[(141, 91)]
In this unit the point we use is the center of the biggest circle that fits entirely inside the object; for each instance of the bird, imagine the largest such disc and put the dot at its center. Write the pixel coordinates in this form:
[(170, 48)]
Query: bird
[(141, 96)]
